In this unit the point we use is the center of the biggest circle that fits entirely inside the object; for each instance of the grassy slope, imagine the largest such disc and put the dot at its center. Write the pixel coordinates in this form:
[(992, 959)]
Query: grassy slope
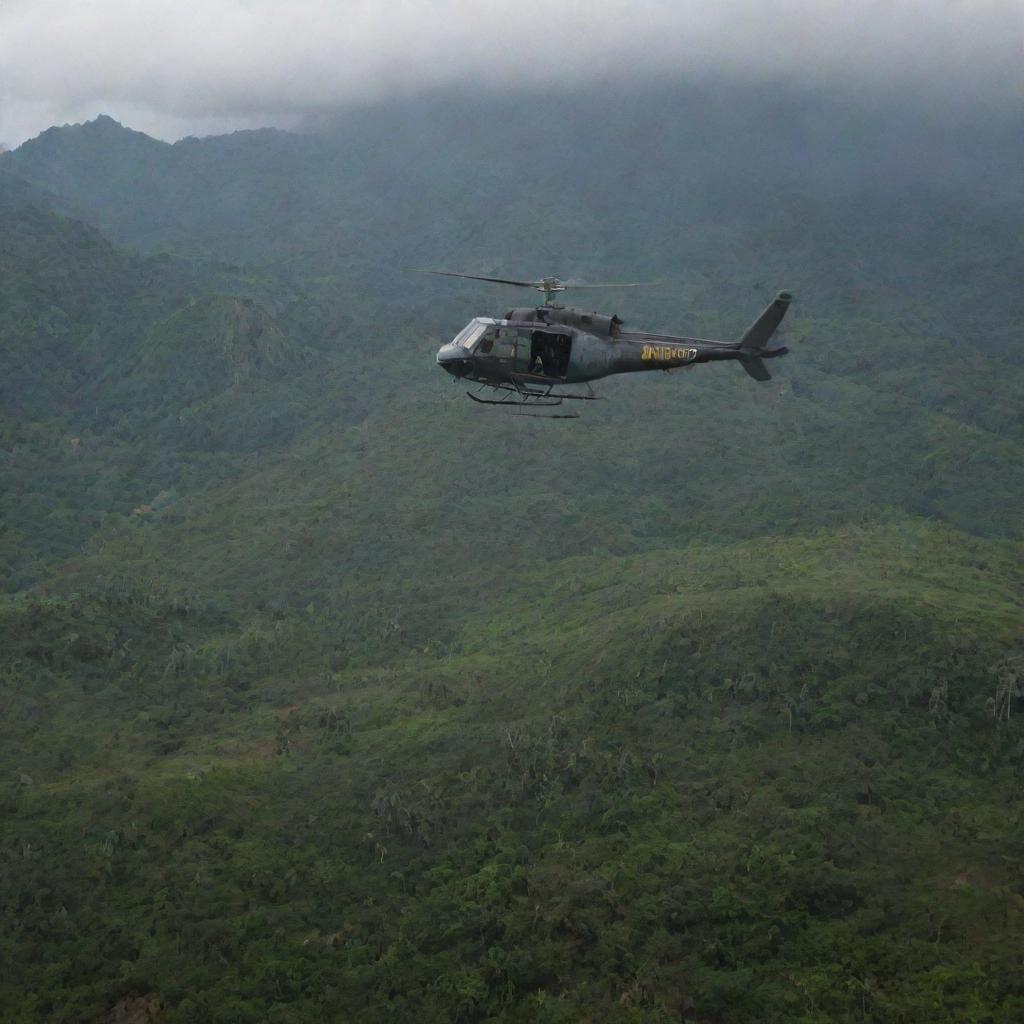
[(759, 782)]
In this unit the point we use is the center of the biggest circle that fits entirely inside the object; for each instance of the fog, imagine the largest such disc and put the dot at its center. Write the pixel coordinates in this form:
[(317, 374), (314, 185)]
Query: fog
[(172, 68)]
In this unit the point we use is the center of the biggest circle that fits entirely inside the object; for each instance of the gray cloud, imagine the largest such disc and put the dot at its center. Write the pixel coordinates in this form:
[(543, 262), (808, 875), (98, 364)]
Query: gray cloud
[(174, 67)]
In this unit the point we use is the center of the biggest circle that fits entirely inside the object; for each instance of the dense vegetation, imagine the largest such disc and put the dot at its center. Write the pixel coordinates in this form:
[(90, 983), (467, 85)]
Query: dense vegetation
[(327, 696)]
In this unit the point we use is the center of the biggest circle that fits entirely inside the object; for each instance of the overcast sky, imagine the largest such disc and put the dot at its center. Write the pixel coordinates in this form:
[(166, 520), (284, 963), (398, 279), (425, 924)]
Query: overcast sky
[(179, 67)]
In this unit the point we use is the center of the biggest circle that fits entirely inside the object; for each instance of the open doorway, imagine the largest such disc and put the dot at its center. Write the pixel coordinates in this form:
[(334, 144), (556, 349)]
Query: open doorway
[(549, 353)]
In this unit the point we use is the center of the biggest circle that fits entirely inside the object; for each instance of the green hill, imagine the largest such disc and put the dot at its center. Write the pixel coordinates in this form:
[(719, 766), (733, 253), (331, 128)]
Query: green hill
[(768, 781), (217, 375), (106, 375)]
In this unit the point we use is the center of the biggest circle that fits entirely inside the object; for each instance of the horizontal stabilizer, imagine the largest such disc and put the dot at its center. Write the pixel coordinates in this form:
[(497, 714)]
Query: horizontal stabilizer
[(754, 365)]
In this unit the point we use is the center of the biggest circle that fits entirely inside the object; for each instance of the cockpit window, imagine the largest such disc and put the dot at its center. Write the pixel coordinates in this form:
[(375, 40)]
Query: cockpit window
[(469, 335)]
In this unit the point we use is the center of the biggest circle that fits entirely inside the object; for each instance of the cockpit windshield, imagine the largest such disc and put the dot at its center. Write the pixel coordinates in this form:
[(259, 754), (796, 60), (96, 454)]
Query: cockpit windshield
[(470, 334)]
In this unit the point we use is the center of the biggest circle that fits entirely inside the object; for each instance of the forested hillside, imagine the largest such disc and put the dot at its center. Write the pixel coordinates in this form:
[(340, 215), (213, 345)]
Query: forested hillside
[(329, 696)]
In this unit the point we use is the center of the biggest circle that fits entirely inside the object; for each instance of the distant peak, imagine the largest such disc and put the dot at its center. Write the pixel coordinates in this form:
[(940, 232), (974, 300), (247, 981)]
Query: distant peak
[(102, 129), (105, 123)]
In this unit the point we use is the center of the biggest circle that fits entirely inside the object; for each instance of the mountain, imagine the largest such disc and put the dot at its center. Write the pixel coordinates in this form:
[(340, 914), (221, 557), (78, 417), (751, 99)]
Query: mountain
[(328, 695), (115, 156), (73, 305), (106, 375)]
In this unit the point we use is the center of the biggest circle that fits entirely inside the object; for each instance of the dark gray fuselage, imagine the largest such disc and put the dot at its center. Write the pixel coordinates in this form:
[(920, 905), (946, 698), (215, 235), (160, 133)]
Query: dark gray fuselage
[(550, 345), (506, 350)]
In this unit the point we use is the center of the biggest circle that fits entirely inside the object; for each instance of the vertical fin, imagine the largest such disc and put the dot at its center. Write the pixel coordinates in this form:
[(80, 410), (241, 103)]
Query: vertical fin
[(761, 330)]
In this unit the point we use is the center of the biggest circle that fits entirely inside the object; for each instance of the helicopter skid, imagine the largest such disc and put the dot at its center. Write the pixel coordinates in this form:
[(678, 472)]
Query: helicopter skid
[(527, 407), (533, 390), (529, 403), (523, 395), (540, 401)]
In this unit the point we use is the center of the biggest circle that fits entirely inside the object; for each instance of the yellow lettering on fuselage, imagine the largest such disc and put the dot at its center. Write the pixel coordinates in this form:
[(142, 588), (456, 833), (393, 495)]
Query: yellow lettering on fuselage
[(667, 354)]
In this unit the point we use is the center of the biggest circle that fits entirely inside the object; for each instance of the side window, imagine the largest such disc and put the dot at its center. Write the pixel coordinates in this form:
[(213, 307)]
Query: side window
[(504, 342)]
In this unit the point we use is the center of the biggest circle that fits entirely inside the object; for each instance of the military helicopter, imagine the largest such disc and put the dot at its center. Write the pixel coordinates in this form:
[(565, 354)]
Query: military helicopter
[(528, 357)]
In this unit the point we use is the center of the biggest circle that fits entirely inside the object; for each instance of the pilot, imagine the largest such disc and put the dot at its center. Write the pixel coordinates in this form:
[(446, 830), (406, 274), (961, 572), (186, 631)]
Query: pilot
[(539, 359)]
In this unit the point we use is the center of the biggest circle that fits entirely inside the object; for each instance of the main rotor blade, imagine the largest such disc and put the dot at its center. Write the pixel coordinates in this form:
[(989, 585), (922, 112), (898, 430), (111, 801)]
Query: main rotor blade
[(478, 277), (613, 284)]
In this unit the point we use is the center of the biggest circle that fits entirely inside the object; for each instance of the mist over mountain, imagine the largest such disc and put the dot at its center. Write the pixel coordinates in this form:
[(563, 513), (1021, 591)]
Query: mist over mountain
[(173, 71), (329, 695)]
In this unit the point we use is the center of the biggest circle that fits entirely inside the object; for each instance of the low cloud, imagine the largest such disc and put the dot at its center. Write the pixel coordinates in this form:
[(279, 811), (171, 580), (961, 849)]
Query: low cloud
[(181, 67)]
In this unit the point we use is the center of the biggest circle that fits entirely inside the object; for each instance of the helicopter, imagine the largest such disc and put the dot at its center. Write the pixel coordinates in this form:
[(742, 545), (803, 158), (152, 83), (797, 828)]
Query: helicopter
[(529, 356)]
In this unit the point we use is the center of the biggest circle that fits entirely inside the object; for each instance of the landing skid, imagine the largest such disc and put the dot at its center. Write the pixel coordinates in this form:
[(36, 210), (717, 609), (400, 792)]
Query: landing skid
[(533, 392)]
